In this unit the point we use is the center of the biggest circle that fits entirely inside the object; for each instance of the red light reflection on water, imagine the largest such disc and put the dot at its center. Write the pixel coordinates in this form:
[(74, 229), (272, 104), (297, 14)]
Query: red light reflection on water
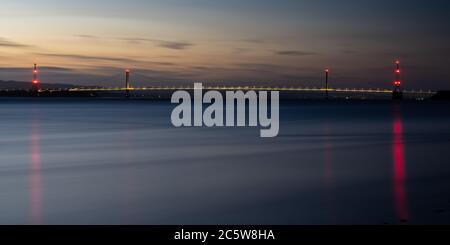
[(398, 151), (35, 177)]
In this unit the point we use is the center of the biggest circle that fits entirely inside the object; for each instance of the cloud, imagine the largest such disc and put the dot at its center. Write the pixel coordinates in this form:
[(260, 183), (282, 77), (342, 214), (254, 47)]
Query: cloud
[(176, 45), (168, 44), (10, 44), (14, 69), (88, 57), (87, 36), (202, 68), (257, 66), (41, 68), (295, 53), (162, 63), (122, 61), (55, 69), (135, 39)]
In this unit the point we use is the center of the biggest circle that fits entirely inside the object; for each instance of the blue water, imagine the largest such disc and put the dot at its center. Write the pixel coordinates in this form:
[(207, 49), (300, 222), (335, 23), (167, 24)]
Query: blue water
[(121, 162)]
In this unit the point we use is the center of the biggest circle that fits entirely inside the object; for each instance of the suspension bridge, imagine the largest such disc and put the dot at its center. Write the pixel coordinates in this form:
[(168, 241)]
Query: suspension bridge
[(397, 91), (244, 88)]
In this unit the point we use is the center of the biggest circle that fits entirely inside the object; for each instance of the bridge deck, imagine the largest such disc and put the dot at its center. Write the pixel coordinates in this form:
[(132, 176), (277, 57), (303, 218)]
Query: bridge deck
[(256, 88)]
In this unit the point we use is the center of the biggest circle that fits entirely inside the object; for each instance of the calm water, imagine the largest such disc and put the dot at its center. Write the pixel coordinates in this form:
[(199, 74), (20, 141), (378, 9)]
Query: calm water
[(121, 162)]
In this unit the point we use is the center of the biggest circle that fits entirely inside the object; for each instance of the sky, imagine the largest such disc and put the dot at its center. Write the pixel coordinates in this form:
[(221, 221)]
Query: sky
[(282, 42)]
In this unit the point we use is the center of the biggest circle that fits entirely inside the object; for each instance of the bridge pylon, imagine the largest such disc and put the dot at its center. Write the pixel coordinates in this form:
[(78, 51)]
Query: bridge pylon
[(327, 73), (127, 83), (397, 93), (35, 81)]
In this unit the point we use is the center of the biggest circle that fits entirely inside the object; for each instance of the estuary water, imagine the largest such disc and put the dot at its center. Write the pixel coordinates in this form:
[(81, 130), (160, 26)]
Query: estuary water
[(78, 161)]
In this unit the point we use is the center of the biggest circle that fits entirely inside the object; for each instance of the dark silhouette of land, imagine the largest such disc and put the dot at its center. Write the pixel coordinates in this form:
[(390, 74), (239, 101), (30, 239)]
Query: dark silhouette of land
[(442, 95)]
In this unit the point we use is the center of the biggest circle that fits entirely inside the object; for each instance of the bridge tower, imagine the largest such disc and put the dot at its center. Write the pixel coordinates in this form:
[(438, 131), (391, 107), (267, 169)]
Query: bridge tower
[(35, 83), (327, 73), (397, 93), (127, 83)]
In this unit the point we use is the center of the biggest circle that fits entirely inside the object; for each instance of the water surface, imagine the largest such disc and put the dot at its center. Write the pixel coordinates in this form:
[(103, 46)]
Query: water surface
[(121, 162)]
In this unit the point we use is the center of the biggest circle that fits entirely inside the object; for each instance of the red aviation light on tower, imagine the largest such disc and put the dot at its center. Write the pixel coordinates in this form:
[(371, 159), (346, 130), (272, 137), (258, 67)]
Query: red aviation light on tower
[(397, 93), (397, 71), (35, 80)]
